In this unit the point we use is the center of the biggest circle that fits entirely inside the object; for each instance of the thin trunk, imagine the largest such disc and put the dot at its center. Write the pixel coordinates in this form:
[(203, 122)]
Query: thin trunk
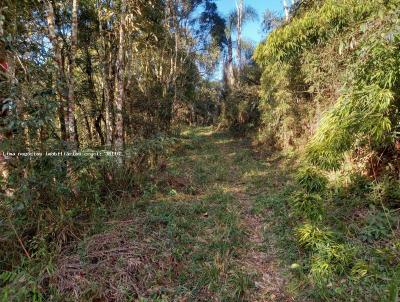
[(71, 127), (86, 118), (286, 8), (94, 99), (230, 74), (4, 171), (97, 126), (239, 7), (176, 29), (110, 110), (88, 128), (107, 63), (120, 91), (59, 65), (52, 34)]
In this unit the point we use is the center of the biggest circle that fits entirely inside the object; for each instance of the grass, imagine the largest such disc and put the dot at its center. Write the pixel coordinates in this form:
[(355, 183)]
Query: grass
[(350, 254), (202, 229), (187, 241)]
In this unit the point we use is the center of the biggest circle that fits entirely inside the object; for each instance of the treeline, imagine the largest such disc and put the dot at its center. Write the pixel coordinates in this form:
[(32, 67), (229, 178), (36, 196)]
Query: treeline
[(108, 71), (93, 75)]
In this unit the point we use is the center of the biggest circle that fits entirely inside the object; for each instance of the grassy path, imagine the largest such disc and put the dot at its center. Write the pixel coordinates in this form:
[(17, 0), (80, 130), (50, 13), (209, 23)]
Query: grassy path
[(202, 232)]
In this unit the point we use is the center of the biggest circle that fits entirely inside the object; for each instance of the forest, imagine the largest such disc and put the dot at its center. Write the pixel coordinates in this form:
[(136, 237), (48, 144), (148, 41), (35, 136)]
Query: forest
[(151, 151)]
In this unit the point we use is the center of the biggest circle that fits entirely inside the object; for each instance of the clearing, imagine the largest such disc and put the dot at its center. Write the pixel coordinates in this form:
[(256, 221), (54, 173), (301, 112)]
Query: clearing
[(203, 233)]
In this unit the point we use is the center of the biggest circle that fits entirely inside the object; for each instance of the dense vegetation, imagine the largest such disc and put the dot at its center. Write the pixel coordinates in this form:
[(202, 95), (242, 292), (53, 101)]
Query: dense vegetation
[(112, 189), (91, 77), (330, 91)]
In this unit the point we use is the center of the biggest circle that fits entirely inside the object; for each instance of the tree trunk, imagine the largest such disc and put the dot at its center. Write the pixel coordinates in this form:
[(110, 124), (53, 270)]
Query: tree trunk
[(106, 85), (59, 65), (4, 171), (239, 7), (72, 135), (230, 75), (119, 84), (286, 8)]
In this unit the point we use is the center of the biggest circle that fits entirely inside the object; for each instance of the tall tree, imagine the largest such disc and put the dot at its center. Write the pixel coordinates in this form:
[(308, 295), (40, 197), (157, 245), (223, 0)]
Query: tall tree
[(286, 9), (119, 84), (60, 72), (71, 124), (236, 20), (239, 22)]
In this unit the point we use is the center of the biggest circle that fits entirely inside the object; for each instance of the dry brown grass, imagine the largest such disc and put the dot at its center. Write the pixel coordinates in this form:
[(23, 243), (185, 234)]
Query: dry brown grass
[(113, 265)]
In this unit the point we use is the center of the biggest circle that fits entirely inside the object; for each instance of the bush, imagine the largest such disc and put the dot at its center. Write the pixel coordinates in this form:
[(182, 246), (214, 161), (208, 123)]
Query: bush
[(310, 236), (307, 205), (240, 112), (50, 199), (329, 260), (385, 191), (377, 226), (312, 180)]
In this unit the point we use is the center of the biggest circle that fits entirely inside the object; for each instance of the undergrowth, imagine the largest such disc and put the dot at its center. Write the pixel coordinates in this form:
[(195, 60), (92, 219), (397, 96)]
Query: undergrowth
[(341, 243)]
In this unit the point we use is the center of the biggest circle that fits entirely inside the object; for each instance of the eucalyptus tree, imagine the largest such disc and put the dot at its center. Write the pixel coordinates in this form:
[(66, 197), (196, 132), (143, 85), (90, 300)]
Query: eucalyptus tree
[(119, 81), (271, 20), (65, 77), (236, 20), (286, 9), (241, 16), (111, 70)]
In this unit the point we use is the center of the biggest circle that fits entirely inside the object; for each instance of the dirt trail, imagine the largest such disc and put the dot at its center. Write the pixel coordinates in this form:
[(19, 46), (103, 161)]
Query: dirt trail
[(260, 259), (257, 258)]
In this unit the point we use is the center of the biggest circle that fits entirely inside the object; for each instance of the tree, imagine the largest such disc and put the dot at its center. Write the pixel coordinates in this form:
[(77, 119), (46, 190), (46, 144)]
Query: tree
[(271, 21), (60, 72), (119, 84), (236, 20), (71, 124), (286, 9)]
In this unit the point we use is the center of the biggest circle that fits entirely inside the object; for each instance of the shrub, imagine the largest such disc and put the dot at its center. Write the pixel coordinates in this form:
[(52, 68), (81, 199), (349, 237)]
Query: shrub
[(241, 112), (312, 180), (385, 191), (329, 260), (311, 236), (378, 226), (53, 197), (307, 205)]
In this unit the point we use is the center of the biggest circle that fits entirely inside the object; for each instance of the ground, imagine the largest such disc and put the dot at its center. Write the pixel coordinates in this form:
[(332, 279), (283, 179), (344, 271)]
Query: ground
[(203, 231)]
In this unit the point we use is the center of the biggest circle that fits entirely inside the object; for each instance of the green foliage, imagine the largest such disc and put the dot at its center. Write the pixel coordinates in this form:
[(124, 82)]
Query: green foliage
[(312, 236), (385, 191), (52, 203), (307, 205), (241, 109), (312, 180), (19, 286), (300, 63), (377, 226), (394, 288), (330, 82), (240, 112), (328, 260)]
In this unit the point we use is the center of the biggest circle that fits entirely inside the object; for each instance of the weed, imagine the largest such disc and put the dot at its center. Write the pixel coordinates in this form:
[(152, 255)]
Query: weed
[(312, 236), (311, 179), (307, 205)]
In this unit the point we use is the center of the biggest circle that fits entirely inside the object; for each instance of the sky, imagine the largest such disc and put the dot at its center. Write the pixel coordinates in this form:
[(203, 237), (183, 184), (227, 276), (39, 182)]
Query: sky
[(252, 30)]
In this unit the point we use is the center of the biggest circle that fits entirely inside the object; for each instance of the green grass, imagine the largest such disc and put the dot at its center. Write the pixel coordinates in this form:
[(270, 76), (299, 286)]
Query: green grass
[(186, 237), (189, 239)]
